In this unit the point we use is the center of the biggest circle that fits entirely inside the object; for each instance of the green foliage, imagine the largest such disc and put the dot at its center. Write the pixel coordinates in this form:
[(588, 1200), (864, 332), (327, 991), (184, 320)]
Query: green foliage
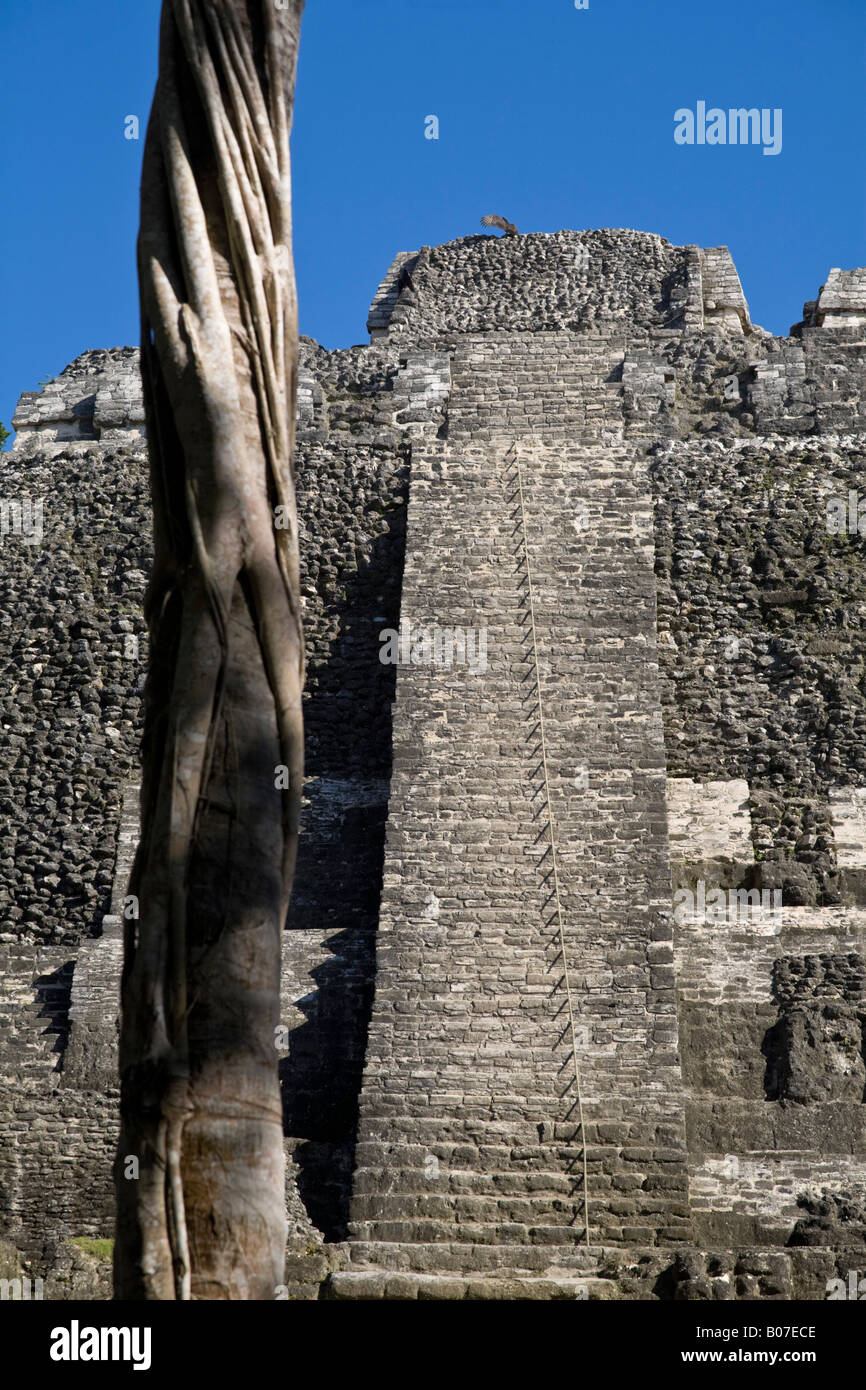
[(4, 434)]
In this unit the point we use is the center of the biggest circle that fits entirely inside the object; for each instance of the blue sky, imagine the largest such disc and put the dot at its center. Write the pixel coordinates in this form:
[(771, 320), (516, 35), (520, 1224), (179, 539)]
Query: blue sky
[(552, 116)]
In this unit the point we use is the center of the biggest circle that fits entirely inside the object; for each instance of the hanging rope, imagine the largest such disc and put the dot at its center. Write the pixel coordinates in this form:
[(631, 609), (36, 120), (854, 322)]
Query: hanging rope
[(567, 980)]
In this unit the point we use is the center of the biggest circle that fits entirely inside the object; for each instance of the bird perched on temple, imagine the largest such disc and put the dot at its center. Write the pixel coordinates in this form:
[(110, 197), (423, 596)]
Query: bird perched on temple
[(491, 220)]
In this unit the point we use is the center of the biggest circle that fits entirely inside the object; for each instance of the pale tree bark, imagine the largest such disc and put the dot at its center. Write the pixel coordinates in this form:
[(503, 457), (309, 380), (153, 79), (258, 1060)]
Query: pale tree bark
[(200, 1170)]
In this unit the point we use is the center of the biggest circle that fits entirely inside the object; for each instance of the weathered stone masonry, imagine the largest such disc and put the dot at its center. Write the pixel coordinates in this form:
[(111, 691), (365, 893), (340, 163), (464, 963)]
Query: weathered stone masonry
[(468, 1063), (428, 1075)]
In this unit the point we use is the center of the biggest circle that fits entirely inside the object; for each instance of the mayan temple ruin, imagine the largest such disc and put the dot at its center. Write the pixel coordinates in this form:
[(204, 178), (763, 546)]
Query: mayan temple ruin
[(574, 976)]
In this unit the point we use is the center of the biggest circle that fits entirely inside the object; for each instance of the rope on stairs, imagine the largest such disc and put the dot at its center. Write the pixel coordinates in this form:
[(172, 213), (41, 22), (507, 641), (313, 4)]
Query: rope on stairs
[(516, 451)]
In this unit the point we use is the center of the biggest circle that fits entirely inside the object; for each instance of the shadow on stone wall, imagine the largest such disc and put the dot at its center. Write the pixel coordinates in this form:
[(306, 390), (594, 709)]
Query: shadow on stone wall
[(335, 902), (816, 1051)]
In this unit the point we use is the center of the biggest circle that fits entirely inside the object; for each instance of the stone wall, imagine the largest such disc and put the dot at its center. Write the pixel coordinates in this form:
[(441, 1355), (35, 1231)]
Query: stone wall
[(842, 300), (539, 283), (72, 658), (762, 636), (470, 1133), (761, 616), (97, 397), (710, 830), (723, 300), (72, 654), (56, 1149), (720, 1073), (90, 1061)]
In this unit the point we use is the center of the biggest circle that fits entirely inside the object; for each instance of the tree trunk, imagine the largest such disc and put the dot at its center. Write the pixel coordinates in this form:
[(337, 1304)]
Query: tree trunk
[(200, 1167)]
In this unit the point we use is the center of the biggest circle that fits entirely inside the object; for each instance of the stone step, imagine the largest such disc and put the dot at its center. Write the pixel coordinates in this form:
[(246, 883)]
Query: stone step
[(422, 1182), (552, 1173), (496, 1161), (455, 1256), (432, 1232), (559, 1210), (463, 1152), (622, 1223), (37, 1043), (377, 1285)]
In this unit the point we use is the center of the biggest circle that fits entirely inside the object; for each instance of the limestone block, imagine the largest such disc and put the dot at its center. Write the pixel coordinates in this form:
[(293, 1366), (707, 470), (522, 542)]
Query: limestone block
[(848, 809), (842, 300), (709, 820)]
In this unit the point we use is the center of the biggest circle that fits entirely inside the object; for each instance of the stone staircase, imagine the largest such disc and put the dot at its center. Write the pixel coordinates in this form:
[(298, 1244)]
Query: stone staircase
[(470, 1155), (506, 1284), (94, 1014), (34, 1004), (57, 1038)]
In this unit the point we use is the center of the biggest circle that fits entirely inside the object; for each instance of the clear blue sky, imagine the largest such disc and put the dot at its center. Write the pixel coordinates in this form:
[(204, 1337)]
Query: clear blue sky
[(552, 116)]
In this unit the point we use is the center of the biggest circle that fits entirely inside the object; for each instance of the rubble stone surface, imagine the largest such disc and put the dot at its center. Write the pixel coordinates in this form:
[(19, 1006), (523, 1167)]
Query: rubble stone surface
[(578, 445)]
